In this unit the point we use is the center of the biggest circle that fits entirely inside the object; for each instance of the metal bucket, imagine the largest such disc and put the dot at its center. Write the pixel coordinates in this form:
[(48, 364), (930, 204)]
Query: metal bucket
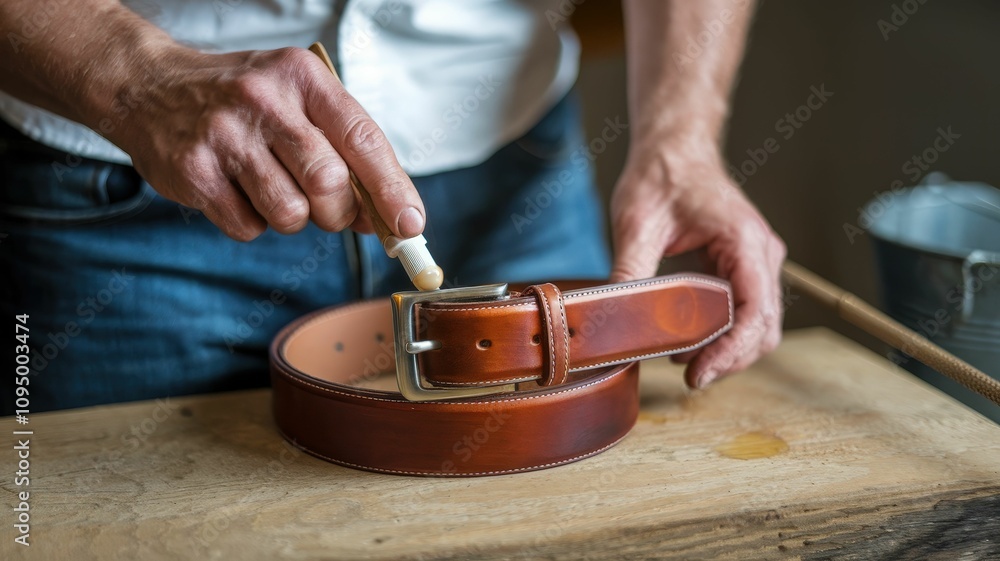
[(937, 248)]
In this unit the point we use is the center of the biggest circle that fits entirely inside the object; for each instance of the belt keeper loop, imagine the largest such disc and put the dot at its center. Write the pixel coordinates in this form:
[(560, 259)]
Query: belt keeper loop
[(556, 337)]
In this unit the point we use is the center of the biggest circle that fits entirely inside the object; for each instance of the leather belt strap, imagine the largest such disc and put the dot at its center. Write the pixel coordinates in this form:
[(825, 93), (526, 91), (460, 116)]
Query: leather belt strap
[(572, 354)]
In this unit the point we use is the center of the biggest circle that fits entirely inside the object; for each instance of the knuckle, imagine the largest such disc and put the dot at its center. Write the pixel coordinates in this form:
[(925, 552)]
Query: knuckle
[(326, 176), (223, 212), (191, 164), (391, 186), (362, 136), (259, 97), (301, 61), (751, 229), (288, 214), (252, 87), (778, 247), (195, 177), (219, 128), (771, 342), (343, 220), (246, 232), (293, 55)]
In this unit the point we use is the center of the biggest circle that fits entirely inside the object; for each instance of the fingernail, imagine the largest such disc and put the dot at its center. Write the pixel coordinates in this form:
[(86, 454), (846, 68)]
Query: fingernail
[(410, 222), (707, 378)]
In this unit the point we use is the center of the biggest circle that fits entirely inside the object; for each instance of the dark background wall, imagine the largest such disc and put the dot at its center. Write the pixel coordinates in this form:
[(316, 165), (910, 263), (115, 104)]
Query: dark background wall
[(940, 69)]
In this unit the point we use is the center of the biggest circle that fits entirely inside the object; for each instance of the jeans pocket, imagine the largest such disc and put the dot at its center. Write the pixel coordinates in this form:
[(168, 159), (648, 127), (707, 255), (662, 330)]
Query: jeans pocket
[(42, 185)]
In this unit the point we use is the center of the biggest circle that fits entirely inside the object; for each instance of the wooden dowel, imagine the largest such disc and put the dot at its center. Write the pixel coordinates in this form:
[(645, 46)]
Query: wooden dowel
[(865, 316), (381, 229)]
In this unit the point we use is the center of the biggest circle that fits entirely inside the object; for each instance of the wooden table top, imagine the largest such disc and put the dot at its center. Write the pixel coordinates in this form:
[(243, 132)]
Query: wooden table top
[(821, 450)]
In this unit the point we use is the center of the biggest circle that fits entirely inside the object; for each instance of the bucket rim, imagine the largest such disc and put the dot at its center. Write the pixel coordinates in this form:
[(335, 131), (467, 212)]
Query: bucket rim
[(927, 185)]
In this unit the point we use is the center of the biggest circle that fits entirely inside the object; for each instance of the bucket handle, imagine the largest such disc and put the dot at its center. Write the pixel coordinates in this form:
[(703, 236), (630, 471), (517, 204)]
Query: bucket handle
[(977, 257)]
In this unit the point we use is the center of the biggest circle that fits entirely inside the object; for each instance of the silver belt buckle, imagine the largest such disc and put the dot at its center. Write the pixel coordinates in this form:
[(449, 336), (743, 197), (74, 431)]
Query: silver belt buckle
[(412, 384)]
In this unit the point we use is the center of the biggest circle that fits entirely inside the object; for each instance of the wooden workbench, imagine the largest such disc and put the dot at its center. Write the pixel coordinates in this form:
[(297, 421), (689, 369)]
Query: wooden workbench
[(821, 450)]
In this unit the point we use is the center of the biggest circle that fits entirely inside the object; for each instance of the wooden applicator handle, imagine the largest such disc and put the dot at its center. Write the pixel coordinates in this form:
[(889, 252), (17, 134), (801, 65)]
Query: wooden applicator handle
[(381, 229), (890, 331)]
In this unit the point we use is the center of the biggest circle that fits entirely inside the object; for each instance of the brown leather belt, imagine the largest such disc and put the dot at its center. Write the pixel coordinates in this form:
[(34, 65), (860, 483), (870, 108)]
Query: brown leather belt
[(489, 382)]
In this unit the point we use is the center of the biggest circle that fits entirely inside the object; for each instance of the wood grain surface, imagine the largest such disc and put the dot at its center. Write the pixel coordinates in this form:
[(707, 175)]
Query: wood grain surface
[(823, 450)]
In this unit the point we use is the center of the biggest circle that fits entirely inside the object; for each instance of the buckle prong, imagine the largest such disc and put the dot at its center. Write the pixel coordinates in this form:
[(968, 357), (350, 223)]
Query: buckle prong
[(417, 347), (412, 383)]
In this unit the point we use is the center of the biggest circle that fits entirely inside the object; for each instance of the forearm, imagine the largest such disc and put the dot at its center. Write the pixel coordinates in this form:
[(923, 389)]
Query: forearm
[(674, 195), (76, 59), (682, 61)]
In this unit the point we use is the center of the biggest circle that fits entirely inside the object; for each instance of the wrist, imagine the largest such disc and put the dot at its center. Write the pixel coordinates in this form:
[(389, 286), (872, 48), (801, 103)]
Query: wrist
[(675, 167), (677, 154), (681, 117), (122, 72)]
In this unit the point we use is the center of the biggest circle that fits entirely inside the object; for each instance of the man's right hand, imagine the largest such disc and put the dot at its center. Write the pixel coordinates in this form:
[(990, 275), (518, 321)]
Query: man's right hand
[(262, 138), (248, 138)]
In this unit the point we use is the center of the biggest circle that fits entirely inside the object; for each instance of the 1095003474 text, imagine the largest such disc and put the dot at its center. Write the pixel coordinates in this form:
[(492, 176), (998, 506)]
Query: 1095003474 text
[(22, 438)]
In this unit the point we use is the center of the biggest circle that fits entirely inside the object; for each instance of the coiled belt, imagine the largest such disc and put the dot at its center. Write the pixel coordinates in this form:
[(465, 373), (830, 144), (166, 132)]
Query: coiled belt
[(489, 381)]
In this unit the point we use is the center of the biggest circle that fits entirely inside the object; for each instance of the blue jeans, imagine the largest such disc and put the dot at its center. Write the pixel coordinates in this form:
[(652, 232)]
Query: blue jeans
[(132, 296)]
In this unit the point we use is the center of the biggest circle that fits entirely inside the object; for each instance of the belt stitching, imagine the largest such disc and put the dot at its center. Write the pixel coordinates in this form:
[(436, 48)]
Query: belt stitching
[(281, 369), (497, 472), (708, 339)]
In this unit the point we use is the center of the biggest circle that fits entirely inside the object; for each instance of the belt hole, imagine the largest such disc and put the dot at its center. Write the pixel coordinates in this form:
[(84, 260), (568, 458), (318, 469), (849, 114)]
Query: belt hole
[(379, 337), (484, 344), (572, 332), (536, 339)]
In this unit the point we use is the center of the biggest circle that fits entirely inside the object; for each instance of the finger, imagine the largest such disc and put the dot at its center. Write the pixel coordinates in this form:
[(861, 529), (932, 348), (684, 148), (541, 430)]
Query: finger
[(197, 181), (321, 174), (754, 294), (638, 249), (777, 254), (685, 357), (718, 359), (366, 150), (274, 193), (228, 208), (362, 222)]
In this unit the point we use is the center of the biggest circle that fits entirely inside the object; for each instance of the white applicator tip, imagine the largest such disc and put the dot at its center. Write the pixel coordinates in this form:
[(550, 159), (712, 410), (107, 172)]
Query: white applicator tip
[(420, 266)]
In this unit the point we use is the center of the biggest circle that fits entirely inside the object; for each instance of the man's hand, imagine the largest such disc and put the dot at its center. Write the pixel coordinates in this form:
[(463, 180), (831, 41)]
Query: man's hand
[(669, 202), (264, 138), (674, 195), (249, 138)]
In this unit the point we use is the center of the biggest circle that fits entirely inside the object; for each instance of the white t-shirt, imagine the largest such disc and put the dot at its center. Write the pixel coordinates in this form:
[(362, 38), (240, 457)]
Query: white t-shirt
[(449, 81)]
